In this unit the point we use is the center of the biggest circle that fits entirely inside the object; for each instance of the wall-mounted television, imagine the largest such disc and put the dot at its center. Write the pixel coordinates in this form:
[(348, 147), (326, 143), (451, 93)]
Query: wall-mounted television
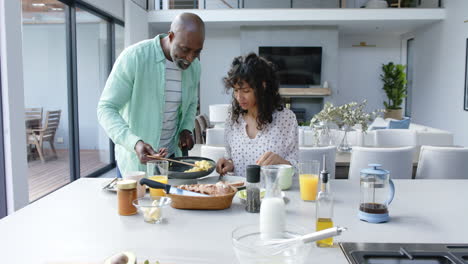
[(296, 66)]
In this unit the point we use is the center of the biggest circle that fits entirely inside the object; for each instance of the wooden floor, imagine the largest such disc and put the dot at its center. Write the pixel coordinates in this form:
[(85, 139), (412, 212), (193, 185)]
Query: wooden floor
[(44, 178)]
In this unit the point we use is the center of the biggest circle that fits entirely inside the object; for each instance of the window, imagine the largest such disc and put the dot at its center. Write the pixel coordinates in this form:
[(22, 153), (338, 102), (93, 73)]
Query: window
[(68, 52), (93, 55), (3, 202), (46, 96), (409, 76)]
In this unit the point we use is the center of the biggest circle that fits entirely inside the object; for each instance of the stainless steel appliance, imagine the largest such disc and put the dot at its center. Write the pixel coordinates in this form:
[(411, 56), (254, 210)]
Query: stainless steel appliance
[(400, 253)]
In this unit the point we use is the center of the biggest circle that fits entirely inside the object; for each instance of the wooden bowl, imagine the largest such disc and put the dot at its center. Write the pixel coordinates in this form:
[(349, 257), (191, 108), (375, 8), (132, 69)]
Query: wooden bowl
[(203, 203)]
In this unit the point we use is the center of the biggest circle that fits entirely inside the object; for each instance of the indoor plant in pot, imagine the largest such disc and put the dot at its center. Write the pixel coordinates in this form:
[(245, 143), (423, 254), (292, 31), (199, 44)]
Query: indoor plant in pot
[(394, 85)]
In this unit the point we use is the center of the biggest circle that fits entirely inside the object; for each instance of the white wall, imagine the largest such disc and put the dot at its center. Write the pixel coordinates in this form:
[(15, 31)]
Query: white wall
[(113, 7), (136, 23), (439, 76), (325, 37), (13, 106), (360, 68), (220, 48)]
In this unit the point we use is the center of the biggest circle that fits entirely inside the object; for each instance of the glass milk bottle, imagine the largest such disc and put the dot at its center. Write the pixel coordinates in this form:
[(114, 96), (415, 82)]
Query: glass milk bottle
[(272, 209)]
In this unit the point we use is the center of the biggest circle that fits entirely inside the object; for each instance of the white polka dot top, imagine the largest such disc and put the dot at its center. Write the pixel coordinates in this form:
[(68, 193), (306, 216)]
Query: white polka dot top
[(280, 137)]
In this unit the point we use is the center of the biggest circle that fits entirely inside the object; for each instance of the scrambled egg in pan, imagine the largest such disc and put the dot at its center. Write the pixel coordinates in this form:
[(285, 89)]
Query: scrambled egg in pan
[(202, 165)]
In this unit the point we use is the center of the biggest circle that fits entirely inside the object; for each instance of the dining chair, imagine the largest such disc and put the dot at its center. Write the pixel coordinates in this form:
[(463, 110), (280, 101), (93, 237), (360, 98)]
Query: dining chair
[(212, 152), (203, 127), (316, 153), (395, 138), (198, 132), (399, 161), (38, 136), (33, 117), (206, 120), (215, 136), (442, 163)]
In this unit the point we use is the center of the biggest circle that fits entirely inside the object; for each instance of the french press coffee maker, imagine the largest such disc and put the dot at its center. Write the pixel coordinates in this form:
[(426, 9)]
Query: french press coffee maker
[(377, 191)]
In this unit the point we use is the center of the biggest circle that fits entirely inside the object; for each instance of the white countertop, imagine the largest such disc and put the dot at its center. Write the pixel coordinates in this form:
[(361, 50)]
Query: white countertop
[(79, 224)]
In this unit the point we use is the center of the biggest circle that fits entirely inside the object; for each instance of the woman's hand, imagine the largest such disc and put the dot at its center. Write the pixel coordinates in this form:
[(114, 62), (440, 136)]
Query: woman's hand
[(271, 158), (224, 166)]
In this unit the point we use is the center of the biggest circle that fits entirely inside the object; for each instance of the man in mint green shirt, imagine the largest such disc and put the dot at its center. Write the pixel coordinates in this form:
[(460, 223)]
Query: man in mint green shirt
[(151, 96)]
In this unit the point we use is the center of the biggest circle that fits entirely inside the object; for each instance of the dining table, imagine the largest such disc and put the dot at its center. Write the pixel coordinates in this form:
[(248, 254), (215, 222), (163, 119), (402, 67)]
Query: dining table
[(79, 224)]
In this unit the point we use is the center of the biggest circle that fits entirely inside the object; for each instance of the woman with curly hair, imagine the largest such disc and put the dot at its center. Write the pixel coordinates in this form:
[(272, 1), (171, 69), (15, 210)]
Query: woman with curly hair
[(259, 129)]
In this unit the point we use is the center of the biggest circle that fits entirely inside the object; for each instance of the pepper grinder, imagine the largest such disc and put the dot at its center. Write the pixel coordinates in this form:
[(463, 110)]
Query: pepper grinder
[(253, 189)]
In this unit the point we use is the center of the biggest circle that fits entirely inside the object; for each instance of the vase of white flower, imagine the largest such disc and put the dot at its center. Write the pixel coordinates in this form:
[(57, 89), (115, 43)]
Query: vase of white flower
[(344, 144), (322, 135), (346, 117)]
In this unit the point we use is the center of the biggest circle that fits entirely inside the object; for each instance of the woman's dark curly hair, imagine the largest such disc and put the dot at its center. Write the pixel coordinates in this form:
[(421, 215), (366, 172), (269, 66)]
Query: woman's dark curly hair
[(255, 71)]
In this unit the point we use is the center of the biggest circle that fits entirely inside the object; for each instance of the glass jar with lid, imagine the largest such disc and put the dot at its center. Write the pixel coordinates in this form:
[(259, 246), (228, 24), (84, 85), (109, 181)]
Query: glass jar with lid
[(126, 194)]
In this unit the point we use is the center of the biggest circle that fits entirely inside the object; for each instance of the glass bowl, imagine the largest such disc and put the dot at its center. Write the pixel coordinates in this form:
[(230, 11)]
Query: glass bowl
[(250, 249), (152, 208)]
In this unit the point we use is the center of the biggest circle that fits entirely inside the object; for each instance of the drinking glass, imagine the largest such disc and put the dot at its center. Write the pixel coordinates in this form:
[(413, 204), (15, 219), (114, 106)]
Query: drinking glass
[(157, 170), (308, 179)]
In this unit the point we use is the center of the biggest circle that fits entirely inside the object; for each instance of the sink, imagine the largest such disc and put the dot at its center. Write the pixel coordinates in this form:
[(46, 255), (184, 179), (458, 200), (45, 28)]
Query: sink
[(400, 253)]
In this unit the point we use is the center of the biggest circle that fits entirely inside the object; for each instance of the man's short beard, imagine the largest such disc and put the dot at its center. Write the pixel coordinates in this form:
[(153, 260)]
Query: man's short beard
[(182, 64)]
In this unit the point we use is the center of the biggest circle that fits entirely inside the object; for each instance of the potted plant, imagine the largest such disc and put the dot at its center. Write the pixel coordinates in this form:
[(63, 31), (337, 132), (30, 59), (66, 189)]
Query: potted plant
[(394, 85)]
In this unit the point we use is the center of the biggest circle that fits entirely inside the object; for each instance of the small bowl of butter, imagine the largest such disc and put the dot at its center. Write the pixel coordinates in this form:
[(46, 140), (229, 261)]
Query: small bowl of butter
[(152, 208)]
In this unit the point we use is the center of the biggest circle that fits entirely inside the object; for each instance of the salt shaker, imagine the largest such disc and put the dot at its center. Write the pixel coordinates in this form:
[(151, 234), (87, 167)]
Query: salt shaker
[(253, 189)]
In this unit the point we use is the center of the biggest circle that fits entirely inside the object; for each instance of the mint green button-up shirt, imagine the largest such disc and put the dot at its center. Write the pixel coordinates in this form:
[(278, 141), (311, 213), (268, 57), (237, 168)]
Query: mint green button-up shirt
[(131, 107)]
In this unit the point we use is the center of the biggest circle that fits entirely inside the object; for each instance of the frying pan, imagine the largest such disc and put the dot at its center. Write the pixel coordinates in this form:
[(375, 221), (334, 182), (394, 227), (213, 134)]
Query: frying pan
[(176, 170)]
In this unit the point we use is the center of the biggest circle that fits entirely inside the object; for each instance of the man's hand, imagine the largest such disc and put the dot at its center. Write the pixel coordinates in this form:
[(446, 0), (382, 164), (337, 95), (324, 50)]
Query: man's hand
[(142, 150), (162, 152), (271, 158), (224, 166), (185, 139)]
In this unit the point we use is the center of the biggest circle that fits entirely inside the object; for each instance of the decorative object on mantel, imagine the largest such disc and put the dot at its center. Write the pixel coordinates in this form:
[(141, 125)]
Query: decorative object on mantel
[(363, 44), (325, 84), (345, 117), (394, 85), (377, 4)]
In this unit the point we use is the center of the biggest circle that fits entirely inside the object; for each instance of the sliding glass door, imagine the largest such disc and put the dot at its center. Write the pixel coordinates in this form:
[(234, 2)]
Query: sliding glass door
[(409, 76), (68, 50), (93, 57), (3, 202), (46, 96)]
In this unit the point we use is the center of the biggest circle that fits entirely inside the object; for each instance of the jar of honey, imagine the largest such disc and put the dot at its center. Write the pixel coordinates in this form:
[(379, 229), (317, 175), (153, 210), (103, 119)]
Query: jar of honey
[(126, 194)]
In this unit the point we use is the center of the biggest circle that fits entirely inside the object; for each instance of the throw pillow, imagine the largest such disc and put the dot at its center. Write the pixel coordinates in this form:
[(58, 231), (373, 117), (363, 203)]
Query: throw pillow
[(399, 124)]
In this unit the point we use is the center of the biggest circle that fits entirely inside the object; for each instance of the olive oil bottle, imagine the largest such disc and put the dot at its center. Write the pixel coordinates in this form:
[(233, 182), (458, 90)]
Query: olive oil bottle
[(324, 206)]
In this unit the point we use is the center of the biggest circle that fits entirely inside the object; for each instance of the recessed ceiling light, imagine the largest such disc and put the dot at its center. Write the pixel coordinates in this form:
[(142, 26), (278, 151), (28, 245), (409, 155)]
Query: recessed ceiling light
[(56, 9), (38, 4)]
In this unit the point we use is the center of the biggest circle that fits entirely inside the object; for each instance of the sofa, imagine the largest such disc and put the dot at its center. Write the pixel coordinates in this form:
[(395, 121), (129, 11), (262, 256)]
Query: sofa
[(424, 135)]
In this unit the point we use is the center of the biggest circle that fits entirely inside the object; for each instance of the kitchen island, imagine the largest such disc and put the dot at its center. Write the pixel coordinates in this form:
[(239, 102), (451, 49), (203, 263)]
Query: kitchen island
[(79, 224)]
